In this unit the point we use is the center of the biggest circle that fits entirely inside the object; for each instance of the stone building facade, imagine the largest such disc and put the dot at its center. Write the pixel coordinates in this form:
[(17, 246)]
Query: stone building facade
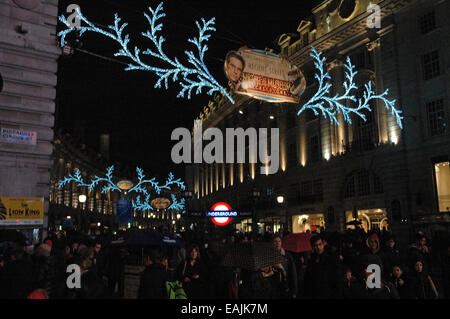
[(28, 66), (68, 157), (373, 171)]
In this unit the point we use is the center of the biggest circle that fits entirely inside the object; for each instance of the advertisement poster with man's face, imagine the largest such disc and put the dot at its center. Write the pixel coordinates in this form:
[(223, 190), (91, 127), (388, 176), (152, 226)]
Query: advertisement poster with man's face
[(264, 75)]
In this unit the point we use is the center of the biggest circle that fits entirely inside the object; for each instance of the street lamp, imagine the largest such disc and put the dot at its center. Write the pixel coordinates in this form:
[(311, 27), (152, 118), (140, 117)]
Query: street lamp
[(280, 199), (82, 199)]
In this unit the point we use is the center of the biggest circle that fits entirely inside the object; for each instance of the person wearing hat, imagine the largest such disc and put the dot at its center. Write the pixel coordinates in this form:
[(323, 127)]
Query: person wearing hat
[(373, 251)]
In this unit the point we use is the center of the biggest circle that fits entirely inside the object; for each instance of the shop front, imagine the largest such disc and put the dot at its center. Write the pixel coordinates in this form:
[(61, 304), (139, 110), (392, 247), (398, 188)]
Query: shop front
[(302, 223), (24, 215), (271, 225), (370, 219)]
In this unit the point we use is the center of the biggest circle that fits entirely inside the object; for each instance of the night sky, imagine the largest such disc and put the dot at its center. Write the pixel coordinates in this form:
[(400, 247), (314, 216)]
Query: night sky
[(96, 95)]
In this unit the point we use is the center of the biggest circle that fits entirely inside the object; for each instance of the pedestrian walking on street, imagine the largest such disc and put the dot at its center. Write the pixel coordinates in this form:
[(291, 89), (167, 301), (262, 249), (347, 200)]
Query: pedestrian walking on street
[(288, 271), (153, 278), (193, 275), (322, 272), (422, 285), (16, 281)]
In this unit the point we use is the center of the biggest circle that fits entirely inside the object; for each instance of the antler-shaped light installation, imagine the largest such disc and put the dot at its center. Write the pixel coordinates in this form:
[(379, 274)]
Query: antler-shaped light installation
[(142, 187), (195, 76), (331, 106)]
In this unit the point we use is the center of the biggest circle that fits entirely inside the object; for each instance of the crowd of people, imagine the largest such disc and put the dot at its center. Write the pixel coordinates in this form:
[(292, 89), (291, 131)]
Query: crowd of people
[(41, 273), (338, 266)]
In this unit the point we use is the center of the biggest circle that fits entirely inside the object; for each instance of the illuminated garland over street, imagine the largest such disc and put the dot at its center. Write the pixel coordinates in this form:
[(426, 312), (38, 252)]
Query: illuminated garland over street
[(196, 76), (335, 104), (138, 188)]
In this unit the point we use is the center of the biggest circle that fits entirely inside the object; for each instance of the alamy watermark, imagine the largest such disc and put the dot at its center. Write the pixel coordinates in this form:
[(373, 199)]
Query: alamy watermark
[(374, 279), (374, 20), (74, 279), (215, 152), (74, 19)]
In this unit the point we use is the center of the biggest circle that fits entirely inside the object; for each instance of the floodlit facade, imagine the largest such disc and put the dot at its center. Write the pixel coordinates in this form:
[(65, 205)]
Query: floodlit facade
[(28, 66), (331, 174)]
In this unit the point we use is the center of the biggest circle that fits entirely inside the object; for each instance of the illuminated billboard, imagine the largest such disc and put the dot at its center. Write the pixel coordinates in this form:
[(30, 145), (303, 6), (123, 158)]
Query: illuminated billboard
[(264, 75)]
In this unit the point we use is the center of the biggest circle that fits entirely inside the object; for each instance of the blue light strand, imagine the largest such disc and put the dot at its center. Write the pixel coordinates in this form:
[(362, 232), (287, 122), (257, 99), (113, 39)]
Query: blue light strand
[(176, 205), (331, 106), (142, 206), (139, 188), (192, 78)]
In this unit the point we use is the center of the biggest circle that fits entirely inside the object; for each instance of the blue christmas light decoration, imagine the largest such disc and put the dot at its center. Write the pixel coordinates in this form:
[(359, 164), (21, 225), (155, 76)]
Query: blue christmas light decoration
[(176, 205), (331, 106), (143, 187), (196, 76)]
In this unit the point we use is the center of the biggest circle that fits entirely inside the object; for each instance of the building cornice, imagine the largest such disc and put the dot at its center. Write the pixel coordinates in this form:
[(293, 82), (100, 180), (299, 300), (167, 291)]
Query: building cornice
[(341, 34)]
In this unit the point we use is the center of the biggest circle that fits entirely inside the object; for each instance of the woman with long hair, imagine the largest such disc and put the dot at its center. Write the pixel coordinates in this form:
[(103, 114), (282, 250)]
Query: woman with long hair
[(193, 274)]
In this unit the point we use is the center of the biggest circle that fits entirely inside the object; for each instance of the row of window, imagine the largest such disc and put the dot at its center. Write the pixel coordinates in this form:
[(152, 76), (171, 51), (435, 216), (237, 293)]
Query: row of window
[(70, 199), (362, 183)]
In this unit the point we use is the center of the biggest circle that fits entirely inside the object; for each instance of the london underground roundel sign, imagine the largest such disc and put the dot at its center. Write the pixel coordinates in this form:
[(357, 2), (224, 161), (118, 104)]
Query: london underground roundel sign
[(221, 214)]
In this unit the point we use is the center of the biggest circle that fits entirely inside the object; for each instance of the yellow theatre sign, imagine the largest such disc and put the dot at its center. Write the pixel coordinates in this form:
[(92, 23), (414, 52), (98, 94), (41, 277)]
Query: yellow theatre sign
[(21, 211)]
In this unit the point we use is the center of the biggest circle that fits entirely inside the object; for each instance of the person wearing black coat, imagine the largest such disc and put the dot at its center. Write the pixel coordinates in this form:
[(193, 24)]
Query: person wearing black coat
[(350, 288), (350, 255), (218, 276), (400, 282), (371, 288), (391, 254), (91, 285), (419, 251), (322, 273), (16, 281), (373, 252), (288, 271), (266, 283), (421, 284), (193, 275), (153, 278), (49, 271)]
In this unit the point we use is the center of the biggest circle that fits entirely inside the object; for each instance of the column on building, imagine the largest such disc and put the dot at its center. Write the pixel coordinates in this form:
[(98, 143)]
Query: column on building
[(302, 144), (281, 124), (217, 177), (211, 178), (337, 132), (381, 117)]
